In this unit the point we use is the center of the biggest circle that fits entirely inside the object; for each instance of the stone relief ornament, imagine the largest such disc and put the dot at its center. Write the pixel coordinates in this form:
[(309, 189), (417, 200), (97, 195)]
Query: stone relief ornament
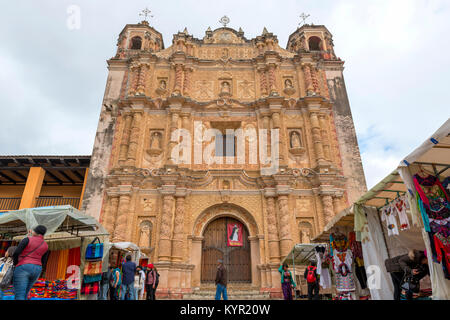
[(145, 230), (288, 87), (245, 89), (225, 88), (162, 88), (204, 89)]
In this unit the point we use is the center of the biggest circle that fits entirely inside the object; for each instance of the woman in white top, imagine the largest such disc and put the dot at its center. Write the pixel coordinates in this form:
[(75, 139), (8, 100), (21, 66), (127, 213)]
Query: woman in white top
[(139, 282)]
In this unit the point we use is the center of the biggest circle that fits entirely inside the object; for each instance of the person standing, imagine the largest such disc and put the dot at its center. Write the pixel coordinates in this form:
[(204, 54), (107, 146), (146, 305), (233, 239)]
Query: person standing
[(221, 281), (30, 258), (5, 263), (105, 283), (139, 282), (116, 283), (151, 282), (287, 282), (128, 271), (312, 280)]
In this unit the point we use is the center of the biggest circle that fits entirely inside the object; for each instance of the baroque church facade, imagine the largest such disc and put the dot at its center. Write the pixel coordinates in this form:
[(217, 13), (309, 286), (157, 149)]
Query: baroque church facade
[(179, 212)]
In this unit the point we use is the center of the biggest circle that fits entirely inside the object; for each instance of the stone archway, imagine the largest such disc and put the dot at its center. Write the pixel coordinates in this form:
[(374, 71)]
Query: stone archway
[(212, 214)]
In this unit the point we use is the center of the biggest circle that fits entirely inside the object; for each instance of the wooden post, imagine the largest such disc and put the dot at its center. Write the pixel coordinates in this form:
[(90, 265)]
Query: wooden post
[(32, 187)]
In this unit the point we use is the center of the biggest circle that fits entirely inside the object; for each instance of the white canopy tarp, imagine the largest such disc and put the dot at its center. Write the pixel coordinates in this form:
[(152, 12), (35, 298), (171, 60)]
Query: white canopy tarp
[(54, 218)]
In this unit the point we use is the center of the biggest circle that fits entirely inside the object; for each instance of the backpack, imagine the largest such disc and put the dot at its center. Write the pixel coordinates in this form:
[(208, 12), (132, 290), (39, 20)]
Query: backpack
[(311, 276), (157, 279)]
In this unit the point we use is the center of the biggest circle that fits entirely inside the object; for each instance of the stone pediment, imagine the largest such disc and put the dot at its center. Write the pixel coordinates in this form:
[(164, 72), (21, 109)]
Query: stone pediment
[(224, 36)]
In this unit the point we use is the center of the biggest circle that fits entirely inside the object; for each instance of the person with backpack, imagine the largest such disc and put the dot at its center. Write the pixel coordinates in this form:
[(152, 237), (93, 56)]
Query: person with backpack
[(151, 281), (139, 283), (312, 280), (105, 283), (116, 283), (30, 259), (287, 281), (128, 272), (6, 270)]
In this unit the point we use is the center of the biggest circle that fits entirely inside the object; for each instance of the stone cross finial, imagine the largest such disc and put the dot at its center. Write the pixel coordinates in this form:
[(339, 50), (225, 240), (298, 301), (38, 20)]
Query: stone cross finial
[(146, 13), (303, 16), (224, 21)]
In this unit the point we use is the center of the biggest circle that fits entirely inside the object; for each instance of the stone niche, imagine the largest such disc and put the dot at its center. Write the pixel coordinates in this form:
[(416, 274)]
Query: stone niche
[(296, 144), (155, 145), (288, 85)]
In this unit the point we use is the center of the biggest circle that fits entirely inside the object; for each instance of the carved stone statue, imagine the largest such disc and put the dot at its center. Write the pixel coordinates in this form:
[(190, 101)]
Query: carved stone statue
[(162, 85), (156, 141), (305, 234), (225, 88), (295, 140), (144, 235), (288, 83)]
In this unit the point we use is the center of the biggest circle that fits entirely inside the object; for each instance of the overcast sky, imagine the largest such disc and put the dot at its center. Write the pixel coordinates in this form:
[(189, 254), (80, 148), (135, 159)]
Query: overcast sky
[(52, 78)]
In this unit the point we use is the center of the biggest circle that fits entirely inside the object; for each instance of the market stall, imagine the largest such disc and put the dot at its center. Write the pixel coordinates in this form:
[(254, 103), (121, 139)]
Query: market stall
[(300, 257), (409, 209), (69, 233)]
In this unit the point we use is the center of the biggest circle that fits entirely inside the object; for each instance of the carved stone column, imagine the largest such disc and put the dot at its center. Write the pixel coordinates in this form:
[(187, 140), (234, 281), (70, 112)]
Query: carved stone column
[(134, 139), (120, 229), (274, 242), (285, 225), (109, 220), (140, 90), (178, 230), (263, 81), (172, 143), (316, 136), (327, 204), (125, 139), (308, 79), (165, 247), (272, 79), (324, 135), (337, 206), (315, 80), (178, 79), (187, 82), (134, 70)]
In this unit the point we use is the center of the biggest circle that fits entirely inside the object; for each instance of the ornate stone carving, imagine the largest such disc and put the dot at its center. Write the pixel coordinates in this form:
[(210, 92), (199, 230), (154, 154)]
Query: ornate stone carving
[(178, 230), (204, 89), (285, 225), (327, 203), (274, 245), (165, 250), (145, 234), (120, 229)]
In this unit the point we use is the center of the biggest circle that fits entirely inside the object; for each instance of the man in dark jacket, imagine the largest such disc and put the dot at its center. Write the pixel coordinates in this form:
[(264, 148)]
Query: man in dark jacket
[(312, 280), (413, 265), (128, 270), (221, 281)]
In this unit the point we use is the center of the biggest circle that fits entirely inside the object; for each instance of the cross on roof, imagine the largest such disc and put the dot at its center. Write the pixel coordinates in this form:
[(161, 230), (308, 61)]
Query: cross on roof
[(146, 13), (224, 21), (303, 16)]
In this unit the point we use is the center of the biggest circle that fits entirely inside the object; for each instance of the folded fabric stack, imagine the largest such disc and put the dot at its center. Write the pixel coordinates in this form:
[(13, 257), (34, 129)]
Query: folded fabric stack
[(8, 292), (56, 289)]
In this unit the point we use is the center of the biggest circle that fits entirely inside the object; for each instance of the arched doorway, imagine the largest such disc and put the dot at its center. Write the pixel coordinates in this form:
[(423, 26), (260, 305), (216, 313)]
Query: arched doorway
[(214, 246)]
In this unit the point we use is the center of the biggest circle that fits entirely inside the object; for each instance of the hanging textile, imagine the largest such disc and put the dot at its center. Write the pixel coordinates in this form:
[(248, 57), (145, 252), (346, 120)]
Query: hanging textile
[(51, 272), (62, 264), (356, 248), (374, 254), (388, 214), (361, 228), (323, 265), (343, 269), (401, 205)]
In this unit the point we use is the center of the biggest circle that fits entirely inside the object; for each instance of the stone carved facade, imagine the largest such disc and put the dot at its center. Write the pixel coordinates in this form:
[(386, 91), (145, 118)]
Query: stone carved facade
[(223, 80)]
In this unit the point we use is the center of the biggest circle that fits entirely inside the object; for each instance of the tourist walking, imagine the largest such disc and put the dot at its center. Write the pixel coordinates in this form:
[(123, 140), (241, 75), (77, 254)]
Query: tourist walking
[(105, 283), (221, 281), (139, 283), (6, 263), (312, 280), (287, 282), (128, 271), (406, 272), (30, 258), (116, 283), (151, 282)]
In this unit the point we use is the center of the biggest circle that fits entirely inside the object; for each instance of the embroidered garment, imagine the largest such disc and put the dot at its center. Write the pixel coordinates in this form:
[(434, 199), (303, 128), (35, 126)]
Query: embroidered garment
[(442, 246), (388, 214), (343, 268), (401, 205)]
